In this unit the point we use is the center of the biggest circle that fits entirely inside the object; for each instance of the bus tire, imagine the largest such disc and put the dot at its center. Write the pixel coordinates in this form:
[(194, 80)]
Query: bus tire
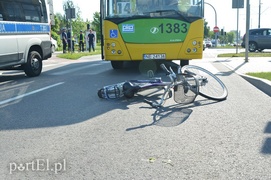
[(33, 65), (184, 62), (117, 64)]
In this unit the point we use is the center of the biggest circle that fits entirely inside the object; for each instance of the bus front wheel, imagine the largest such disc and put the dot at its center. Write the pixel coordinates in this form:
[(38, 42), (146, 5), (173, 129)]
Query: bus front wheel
[(117, 64), (184, 62)]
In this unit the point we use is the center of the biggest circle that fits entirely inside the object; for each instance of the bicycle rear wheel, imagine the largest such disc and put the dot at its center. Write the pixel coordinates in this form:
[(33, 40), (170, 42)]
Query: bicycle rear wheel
[(211, 86)]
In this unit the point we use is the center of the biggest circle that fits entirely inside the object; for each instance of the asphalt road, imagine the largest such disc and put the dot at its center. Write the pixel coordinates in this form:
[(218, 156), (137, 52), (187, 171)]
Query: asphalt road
[(55, 127)]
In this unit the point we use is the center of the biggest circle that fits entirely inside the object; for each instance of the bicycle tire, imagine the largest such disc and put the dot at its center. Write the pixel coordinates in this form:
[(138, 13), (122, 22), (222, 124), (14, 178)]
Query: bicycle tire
[(100, 94), (213, 89)]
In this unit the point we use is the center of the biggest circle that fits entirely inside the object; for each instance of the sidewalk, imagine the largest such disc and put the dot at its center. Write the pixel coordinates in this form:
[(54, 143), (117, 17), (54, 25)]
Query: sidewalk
[(254, 64)]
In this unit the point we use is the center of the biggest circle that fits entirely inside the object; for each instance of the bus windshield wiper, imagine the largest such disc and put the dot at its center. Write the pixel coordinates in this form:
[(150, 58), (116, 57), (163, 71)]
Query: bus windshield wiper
[(170, 10), (140, 16)]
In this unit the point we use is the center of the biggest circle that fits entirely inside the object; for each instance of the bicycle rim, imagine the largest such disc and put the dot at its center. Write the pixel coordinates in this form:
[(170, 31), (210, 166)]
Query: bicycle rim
[(211, 87)]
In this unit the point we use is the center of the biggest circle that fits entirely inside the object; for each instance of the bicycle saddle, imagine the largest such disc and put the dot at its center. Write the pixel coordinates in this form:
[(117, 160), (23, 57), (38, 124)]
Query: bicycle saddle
[(130, 89)]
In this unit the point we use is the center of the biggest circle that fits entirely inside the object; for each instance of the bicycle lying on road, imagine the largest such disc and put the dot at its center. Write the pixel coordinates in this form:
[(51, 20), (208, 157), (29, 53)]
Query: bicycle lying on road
[(187, 84)]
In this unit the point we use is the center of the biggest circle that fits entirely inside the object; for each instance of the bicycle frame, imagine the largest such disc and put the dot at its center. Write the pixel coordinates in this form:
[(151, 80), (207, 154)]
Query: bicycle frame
[(189, 82), (150, 84), (129, 88)]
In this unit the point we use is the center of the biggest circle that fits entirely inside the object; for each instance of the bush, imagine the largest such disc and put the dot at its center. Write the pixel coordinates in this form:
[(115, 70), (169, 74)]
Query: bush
[(57, 38)]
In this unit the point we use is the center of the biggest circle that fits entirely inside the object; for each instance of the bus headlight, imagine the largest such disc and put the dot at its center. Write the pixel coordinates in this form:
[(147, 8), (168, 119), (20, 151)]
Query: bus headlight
[(119, 52), (113, 51), (113, 44), (188, 50), (194, 43), (194, 50)]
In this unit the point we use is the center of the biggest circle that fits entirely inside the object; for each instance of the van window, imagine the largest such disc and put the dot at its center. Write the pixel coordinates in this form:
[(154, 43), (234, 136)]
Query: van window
[(267, 32), (31, 13), (12, 11), (24, 11), (257, 32)]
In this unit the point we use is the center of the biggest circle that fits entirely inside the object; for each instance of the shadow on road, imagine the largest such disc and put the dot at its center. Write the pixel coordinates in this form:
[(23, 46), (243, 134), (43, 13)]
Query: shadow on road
[(266, 148), (75, 100), (173, 115)]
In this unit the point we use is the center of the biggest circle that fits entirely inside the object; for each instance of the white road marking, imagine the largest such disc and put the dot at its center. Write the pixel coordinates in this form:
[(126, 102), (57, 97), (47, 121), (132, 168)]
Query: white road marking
[(30, 93), (74, 69)]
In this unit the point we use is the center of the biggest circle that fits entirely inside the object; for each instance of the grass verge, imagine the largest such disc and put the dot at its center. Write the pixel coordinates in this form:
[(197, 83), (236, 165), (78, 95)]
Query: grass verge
[(263, 75), (242, 54), (77, 55)]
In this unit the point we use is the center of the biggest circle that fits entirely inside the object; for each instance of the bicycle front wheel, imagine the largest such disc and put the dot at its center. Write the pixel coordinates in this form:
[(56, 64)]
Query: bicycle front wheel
[(211, 86)]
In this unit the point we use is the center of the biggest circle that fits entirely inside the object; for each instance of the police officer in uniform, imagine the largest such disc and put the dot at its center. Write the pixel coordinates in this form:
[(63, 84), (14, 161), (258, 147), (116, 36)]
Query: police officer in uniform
[(81, 39), (64, 39)]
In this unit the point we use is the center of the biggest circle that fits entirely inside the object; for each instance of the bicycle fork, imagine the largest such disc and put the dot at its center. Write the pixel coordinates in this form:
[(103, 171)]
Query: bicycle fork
[(167, 92)]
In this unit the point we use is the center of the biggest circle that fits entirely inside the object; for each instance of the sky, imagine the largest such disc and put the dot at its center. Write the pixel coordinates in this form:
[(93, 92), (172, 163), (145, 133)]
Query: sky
[(226, 15)]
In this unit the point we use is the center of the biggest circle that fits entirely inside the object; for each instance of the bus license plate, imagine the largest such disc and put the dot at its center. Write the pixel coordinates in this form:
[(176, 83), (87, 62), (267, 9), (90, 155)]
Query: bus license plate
[(154, 56)]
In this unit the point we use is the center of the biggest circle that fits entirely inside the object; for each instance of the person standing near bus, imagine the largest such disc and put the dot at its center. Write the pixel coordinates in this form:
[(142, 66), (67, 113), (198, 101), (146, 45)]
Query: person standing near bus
[(91, 39), (69, 39), (81, 41), (64, 39), (73, 41)]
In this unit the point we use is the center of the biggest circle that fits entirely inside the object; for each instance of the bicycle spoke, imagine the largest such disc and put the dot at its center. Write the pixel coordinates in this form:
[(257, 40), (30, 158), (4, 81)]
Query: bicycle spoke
[(210, 85)]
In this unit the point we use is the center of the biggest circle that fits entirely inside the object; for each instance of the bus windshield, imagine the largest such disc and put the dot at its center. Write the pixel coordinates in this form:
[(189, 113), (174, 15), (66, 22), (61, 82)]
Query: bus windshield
[(153, 8)]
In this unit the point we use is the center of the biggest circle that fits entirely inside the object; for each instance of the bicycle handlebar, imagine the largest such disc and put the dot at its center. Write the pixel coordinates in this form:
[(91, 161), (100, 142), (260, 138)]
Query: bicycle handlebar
[(165, 69), (170, 73)]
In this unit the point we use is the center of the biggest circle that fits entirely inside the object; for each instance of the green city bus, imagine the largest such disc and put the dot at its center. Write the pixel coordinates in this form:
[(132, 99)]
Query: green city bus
[(142, 30)]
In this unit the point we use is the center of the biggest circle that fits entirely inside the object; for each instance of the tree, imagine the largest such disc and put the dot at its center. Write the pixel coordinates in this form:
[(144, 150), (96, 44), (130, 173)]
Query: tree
[(231, 36), (77, 24), (96, 25), (55, 29), (206, 29)]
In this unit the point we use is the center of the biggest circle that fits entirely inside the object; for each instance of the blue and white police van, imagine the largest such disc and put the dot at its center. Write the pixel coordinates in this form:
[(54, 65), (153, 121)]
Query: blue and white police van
[(25, 39)]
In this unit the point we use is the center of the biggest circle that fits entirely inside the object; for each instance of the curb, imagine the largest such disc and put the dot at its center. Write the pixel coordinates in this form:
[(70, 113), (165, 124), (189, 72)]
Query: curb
[(262, 84)]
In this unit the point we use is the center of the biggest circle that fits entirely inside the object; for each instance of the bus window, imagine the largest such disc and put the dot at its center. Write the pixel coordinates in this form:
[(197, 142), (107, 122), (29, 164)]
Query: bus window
[(190, 7), (123, 7)]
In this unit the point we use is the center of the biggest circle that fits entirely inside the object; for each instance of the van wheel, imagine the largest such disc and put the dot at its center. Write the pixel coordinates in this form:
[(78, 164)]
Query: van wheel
[(53, 48), (117, 64), (252, 47), (33, 65)]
